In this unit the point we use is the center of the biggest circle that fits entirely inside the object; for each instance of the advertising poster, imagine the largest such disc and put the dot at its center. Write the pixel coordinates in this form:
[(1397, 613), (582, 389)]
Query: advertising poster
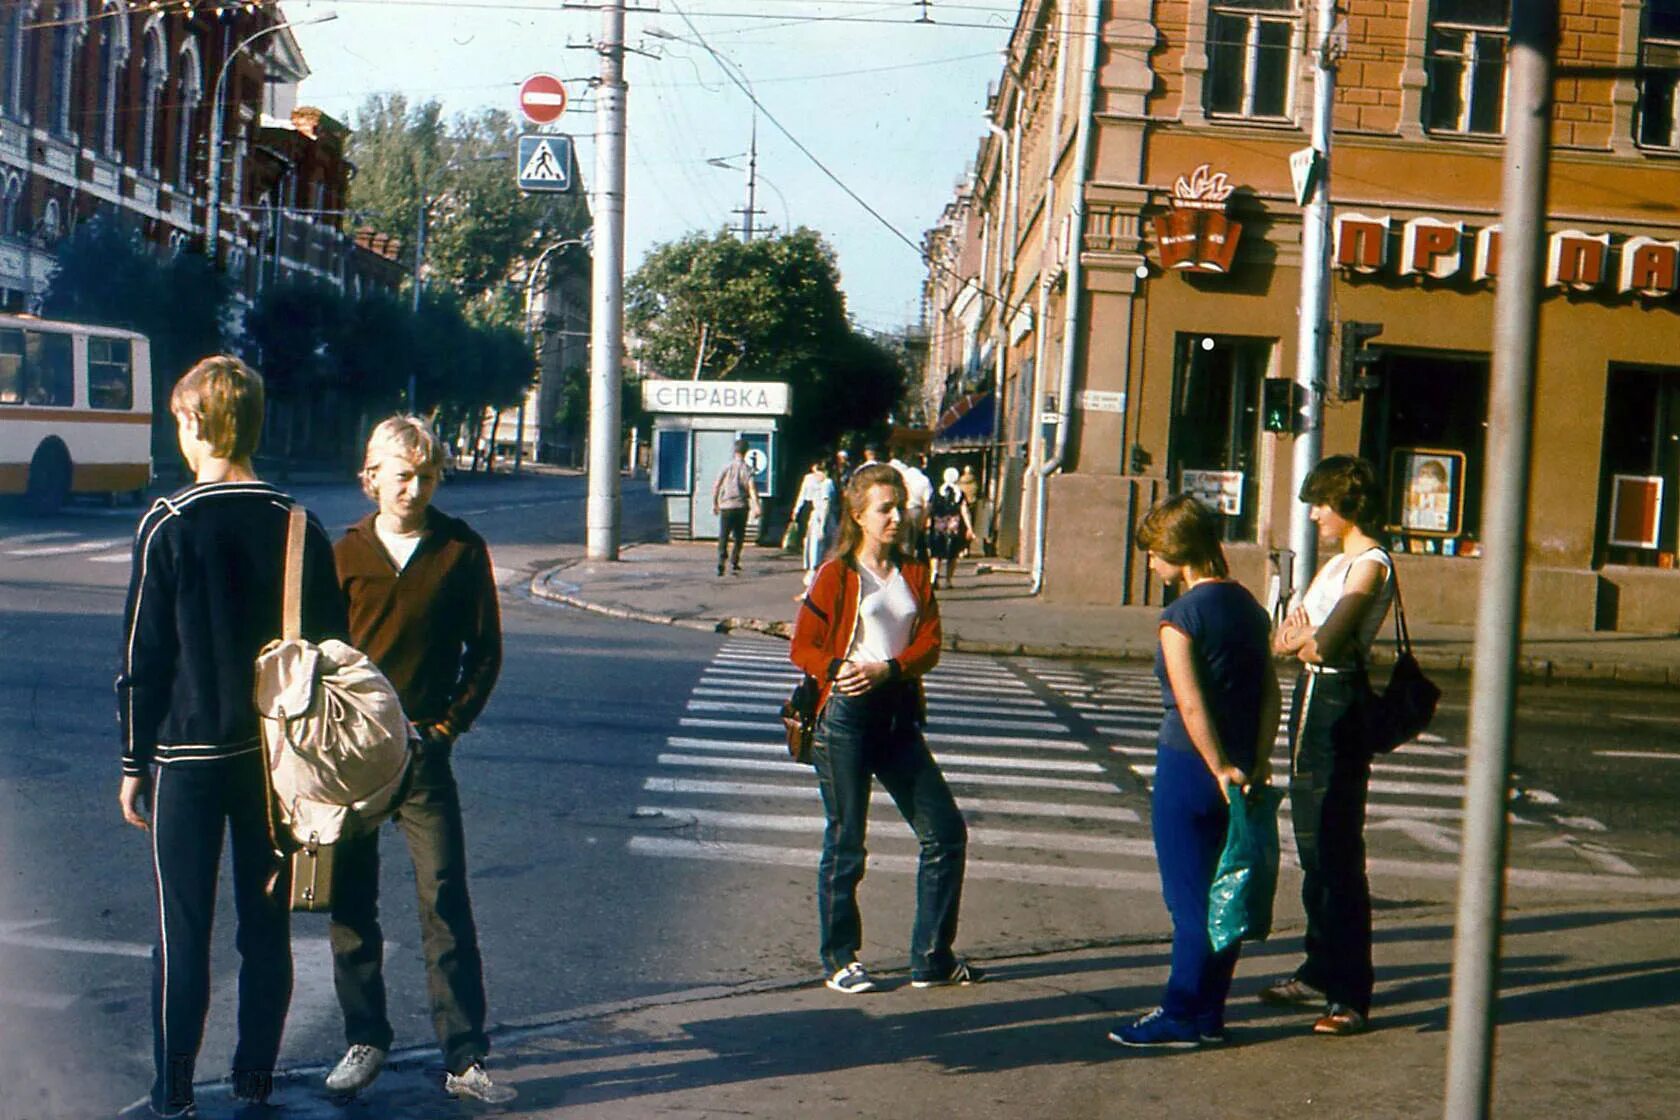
[(1635, 510), (1431, 488), (1220, 490)]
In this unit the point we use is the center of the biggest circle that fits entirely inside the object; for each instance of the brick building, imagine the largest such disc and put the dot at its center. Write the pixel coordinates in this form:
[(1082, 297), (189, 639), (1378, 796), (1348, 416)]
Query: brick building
[(105, 108), (1122, 270)]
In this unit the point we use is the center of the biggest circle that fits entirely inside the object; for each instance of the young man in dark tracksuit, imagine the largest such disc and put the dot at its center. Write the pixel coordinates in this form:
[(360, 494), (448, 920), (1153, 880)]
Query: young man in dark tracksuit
[(203, 599), (422, 602)]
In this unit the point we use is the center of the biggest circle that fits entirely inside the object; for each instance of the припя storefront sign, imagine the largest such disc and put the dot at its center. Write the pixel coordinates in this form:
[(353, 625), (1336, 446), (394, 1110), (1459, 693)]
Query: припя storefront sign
[(1195, 235), (1575, 259), (717, 398)]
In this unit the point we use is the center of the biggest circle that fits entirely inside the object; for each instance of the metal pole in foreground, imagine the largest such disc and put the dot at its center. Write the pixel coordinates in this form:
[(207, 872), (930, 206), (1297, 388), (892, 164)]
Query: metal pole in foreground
[(1312, 341), (1481, 880), (607, 318)]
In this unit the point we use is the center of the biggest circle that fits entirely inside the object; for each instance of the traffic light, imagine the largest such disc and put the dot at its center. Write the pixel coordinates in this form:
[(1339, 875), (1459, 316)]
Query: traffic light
[(1280, 405), (1355, 373)]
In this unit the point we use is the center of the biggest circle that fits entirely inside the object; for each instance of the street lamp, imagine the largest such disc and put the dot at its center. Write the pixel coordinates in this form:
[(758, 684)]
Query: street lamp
[(212, 221), (733, 70)]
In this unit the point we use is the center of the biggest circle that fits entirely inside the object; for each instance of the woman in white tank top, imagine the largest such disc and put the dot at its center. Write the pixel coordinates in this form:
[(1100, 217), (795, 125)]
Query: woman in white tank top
[(1330, 633)]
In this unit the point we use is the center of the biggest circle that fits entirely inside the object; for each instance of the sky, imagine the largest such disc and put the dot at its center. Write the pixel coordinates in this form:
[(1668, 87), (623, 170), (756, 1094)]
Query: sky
[(892, 106)]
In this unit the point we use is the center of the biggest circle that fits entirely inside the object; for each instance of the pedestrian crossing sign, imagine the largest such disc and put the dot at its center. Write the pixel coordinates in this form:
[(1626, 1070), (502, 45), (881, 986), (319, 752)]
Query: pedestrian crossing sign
[(545, 163)]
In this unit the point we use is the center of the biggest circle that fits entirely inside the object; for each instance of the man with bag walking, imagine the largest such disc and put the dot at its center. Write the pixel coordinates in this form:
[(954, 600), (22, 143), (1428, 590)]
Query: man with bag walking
[(204, 598), (734, 495), (422, 600)]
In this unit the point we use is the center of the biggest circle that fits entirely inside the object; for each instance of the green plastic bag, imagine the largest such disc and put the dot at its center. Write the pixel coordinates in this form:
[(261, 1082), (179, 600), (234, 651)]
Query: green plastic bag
[(1240, 900)]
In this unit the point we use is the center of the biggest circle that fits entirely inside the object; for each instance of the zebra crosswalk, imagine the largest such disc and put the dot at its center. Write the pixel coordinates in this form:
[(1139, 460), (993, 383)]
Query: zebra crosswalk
[(102, 548), (1050, 763)]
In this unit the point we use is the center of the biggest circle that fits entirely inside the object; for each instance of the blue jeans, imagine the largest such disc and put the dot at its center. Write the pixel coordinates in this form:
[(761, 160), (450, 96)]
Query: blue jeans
[(879, 734), (1188, 816), (1328, 780)]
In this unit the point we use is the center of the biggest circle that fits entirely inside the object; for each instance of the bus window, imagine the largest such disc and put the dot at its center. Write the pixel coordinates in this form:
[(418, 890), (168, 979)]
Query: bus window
[(110, 373), (48, 374), (11, 367)]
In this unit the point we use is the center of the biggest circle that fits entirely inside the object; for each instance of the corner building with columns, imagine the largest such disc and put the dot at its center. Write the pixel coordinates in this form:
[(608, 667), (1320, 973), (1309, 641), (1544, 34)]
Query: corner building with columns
[(1122, 270)]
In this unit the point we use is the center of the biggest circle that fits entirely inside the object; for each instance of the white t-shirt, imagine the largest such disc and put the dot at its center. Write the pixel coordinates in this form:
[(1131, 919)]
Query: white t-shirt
[(1327, 589), (401, 546), (886, 616)]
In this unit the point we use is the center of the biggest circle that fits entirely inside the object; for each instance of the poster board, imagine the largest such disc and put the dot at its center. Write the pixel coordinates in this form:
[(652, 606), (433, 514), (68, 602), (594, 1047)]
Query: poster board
[(1635, 510), (1429, 483), (1221, 491)]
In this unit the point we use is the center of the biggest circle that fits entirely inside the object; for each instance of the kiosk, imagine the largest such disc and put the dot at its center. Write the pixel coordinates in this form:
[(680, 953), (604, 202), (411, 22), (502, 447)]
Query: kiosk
[(695, 426)]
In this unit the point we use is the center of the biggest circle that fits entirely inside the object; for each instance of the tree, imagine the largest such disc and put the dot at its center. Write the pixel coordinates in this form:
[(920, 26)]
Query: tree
[(107, 277), (769, 309)]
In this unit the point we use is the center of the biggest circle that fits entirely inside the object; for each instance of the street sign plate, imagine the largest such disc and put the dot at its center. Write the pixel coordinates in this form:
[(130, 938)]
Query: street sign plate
[(1303, 172), (545, 163), (542, 98)]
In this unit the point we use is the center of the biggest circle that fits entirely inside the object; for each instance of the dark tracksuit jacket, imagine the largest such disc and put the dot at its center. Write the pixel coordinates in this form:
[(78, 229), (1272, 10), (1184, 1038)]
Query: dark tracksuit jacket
[(434, 628), (204, 597)]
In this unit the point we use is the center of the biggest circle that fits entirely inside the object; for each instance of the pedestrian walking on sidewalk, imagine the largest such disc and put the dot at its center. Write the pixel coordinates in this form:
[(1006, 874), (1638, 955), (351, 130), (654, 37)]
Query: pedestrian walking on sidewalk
[(1331, 633), (204, 598), (1220, 691), (734, 496), (950, 528), (423, 607), (868, 631), (818, 496)]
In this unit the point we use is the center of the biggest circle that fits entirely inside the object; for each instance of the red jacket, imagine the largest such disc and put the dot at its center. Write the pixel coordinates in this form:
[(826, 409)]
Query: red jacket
[(827, 622)]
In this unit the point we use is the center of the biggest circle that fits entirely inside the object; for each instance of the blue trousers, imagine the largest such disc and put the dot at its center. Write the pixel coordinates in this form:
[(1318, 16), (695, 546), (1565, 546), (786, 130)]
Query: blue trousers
[(193, 805), (1188, 818), (879, 735)]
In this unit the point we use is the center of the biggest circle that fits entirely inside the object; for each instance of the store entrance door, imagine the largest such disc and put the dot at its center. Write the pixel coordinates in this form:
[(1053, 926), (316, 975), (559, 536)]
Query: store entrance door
[(1213, 444), (712, 452)]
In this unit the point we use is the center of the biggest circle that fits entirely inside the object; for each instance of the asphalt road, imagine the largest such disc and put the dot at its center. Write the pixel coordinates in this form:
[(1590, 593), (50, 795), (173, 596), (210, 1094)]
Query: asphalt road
[(633, 831)]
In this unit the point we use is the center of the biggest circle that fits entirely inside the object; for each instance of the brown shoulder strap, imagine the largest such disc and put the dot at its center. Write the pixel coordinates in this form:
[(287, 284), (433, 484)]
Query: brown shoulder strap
[(291, 611)]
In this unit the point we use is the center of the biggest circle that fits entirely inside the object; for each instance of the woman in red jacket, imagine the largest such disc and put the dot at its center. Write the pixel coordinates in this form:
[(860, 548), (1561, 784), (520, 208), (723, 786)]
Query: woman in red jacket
[(868, 630)]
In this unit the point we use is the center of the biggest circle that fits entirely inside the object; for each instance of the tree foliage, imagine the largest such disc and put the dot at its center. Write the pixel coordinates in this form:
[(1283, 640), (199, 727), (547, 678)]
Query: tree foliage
[(769, 309)]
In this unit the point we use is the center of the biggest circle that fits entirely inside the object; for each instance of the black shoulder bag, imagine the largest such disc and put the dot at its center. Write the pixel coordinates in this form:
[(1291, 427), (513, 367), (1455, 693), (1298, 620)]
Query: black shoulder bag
[(1399, 713)]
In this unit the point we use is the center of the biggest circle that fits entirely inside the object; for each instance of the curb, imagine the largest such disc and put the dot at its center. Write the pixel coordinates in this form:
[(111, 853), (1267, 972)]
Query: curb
[(1533, 670)]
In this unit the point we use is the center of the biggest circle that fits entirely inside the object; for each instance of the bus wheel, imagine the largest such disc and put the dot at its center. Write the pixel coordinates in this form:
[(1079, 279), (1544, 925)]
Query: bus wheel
[(49, 478)]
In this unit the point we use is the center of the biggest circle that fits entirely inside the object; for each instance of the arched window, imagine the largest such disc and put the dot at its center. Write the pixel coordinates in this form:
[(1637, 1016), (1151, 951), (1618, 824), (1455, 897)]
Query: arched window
[(113, 58), (191, 88), (9, 204), (50, 227), (71, 26), (15, 87), (153, 76)]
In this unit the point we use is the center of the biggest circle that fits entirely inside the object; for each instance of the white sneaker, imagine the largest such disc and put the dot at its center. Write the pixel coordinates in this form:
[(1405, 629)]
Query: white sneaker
[(474, 1084), (854, 979), (356, 1070)]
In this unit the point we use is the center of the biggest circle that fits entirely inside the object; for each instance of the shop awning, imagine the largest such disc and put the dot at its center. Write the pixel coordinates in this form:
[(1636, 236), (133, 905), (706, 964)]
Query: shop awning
[(968, 422)]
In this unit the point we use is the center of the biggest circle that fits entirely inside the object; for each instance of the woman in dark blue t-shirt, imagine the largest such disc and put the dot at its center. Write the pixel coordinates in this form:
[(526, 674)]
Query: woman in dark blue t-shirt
[(1220, 692)]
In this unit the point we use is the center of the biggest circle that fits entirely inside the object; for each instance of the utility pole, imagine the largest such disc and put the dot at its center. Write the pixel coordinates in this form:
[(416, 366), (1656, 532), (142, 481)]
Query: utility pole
[(1481, 880), (752, 183), (1312, 343), (607, 318)]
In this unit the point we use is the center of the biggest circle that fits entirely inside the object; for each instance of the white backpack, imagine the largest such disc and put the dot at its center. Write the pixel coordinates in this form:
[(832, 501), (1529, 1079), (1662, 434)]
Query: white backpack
[(333, 728)]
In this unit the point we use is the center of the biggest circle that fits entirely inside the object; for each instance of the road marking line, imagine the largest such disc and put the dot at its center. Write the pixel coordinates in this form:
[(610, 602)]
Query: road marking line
[(30, 538), (66, 549), (1670, 756), (947, 715), (115, 558), (10, 934), (978, 867), (1412, 789), (995, 806), (1050, 765), (36, 1001), (774, 727), (954, 777), (813, 823), (729, 690)]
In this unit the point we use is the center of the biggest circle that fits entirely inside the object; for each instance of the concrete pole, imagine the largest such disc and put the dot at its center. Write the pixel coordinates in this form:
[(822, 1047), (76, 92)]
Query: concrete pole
[(607, 320), (752, 180), (1481, 880), (1312, 342)]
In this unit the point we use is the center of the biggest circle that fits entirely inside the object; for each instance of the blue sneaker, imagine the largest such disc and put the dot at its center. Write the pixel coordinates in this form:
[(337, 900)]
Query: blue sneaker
[(1159, 1031)]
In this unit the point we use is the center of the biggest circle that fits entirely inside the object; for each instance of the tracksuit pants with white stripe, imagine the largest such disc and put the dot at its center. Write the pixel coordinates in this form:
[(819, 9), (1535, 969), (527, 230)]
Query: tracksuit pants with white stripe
[(193, 805)]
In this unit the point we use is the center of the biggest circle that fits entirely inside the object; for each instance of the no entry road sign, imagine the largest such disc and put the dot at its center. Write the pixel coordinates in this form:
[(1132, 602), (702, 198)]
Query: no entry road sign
[(542, 98)]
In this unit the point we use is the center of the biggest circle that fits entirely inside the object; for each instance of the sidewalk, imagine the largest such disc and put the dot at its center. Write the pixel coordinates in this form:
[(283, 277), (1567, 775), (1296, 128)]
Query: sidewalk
[(1588, 1020), (992, 611)]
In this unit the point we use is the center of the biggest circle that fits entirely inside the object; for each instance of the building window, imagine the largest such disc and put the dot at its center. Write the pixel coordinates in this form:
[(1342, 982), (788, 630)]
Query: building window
[(113, 56), (1659, 86), (154, 74), (1425, 430), (17, 61), (64, 58), (1213, 442), (9, 205), (1468, 42), (1639, 518), (1251, 59)]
